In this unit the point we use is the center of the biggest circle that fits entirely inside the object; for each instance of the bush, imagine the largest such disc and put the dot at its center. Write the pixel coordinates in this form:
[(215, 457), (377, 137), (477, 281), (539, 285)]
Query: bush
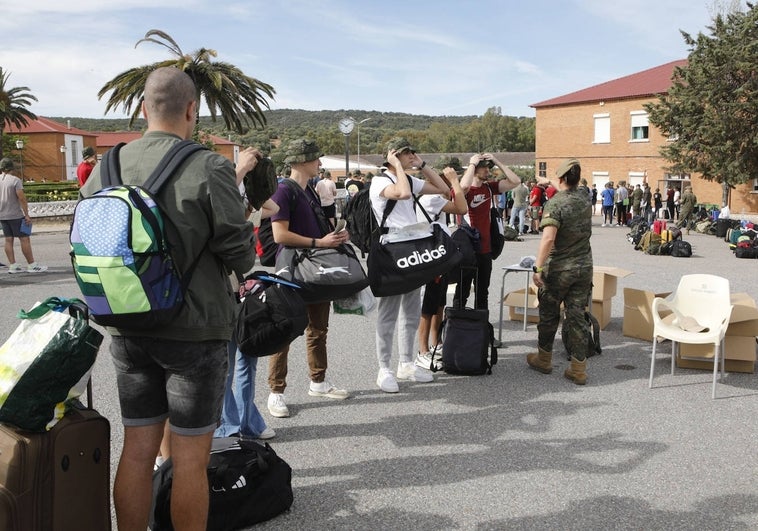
[(55, 191)]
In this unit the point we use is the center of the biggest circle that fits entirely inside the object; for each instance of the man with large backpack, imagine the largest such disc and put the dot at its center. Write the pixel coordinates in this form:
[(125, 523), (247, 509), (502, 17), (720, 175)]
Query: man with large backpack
[(177, 371)]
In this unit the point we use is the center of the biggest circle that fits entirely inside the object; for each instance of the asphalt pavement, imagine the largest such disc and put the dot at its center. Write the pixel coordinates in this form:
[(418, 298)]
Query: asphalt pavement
[(513, 450)]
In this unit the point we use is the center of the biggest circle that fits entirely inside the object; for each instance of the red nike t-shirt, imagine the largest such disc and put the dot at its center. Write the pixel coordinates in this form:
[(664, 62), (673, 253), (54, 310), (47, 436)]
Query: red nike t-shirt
[(479, 202)]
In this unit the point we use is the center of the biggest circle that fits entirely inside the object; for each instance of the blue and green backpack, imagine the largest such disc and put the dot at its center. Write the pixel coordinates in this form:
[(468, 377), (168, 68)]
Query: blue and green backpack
[(121, 258)]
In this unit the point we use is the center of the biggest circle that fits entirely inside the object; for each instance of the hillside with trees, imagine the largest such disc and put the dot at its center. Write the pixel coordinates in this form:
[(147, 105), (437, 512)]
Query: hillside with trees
[(433, 134)]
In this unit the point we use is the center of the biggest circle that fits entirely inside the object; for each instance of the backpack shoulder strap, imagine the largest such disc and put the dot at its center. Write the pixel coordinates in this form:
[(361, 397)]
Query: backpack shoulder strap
[(389, 206), (110, 167), (170, 162)]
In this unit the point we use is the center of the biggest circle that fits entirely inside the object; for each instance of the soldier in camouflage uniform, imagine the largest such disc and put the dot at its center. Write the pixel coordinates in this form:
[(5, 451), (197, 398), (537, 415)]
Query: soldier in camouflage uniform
[(563, 273), (688, 203)]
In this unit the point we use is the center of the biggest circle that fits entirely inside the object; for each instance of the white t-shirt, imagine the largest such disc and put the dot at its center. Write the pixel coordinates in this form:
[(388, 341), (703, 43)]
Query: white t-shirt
[(327, 191), (433, 204), (403, 214)]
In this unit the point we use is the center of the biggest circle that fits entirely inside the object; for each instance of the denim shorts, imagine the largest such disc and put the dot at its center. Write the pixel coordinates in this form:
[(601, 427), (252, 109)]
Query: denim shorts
[(179, 380)]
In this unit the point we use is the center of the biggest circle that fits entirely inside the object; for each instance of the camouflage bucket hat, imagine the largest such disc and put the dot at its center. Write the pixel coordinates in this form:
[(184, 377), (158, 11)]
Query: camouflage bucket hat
[(448, 162), (399, 144), (6, 164), (300, 151), (88, 152)]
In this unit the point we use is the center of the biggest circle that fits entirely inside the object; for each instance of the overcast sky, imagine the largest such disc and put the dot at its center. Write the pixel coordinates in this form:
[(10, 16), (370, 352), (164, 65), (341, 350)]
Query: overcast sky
[(435, 57)]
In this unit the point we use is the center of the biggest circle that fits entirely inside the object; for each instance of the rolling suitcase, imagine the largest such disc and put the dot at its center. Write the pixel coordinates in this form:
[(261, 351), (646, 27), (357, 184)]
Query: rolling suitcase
[(58, 480), (468, 340)]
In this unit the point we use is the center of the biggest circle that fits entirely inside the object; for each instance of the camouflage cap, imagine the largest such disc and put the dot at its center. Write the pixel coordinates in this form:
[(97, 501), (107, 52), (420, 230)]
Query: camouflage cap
[(565, 167), (6, 164), (88, 152), (399, 144), (300, 151), (448, 162)]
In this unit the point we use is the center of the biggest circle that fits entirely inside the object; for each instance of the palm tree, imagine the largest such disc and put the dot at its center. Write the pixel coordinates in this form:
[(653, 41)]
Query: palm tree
[(226, 89), (13, 106)]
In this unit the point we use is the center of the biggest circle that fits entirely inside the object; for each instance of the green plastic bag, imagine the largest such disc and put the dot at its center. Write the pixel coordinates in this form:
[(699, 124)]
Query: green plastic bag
[(46, 363)]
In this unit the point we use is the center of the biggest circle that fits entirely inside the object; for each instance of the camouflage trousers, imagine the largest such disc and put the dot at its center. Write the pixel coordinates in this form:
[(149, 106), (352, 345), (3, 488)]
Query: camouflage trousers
[(572, 288)]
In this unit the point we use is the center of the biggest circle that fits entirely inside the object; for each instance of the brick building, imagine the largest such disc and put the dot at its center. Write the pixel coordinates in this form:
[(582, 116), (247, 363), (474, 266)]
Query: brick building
[(606, 127)]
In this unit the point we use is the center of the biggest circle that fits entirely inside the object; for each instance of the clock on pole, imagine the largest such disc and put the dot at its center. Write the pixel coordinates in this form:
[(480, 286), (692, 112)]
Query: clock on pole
[(346, 126)]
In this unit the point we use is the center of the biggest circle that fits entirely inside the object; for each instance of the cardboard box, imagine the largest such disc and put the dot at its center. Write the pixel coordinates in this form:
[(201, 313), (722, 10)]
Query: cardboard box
[(638, 313), (602, 312), (744, 318), (605, 280), (739, 355), (515, 302)]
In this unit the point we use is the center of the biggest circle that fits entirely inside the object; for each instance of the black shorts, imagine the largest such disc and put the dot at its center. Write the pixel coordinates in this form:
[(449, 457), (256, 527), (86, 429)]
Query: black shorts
[(435, 296), (330, 211), (12, 228)]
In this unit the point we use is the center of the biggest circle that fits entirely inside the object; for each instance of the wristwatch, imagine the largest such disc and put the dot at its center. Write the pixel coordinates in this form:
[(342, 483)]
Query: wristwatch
[(537, 269)]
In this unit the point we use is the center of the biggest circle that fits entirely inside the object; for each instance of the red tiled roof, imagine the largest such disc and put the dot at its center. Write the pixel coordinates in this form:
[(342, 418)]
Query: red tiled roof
[(108, 139), (45, 125), (649, 82)]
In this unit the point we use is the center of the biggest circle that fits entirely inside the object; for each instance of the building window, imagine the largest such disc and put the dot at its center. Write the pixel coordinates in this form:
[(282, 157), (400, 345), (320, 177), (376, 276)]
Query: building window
[(639, 126), (602, 128), (543, 169), (755, 185)]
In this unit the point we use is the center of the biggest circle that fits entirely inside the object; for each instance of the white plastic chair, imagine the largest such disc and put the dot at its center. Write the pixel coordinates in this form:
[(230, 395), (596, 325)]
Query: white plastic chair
[(704, 298)]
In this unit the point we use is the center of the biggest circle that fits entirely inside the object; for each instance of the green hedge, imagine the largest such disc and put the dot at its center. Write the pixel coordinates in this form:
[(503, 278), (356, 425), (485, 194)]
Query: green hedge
[(56, 191)]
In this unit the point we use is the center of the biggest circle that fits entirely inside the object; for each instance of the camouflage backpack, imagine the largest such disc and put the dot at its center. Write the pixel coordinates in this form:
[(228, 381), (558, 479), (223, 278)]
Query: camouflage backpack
[(651, 243)]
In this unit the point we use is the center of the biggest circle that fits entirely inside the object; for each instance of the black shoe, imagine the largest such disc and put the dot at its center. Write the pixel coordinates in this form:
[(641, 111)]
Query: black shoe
[(497, 343)]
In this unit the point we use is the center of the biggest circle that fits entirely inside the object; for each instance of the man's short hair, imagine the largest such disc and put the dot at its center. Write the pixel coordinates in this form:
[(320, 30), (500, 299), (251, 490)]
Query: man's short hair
[(168, 90)]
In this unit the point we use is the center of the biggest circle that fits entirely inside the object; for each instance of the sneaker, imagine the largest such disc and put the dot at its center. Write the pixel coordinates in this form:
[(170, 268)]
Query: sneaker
[(34, 267), (327, 390), (427, 360), (276, 405), (386, 381), (603, 225), (409, 371), (267, 434), (15, 268)]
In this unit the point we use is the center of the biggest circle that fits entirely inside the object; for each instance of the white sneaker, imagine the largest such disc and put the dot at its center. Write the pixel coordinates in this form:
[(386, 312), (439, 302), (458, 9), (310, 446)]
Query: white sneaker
[(386, 381), (410, 371), (327, 390), (267, 434), (34, 267), (428, 361), (603, 225), (276, 405), (15, 268)]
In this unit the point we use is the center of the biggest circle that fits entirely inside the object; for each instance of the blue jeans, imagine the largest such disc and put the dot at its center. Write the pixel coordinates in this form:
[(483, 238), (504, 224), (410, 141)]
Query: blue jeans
[(239, 414)]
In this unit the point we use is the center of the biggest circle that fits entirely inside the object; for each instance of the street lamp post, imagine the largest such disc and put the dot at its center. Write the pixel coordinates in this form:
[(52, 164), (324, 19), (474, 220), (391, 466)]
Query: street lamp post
[(63, 157), (20, 148), (358, 132)]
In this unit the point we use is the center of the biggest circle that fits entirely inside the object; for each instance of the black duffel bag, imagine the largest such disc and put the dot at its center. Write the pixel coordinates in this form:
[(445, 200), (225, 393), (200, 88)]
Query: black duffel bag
[(401, 266), (247, 482)]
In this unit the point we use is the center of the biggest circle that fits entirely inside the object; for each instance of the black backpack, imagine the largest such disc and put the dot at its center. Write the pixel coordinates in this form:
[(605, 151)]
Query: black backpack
[(593, 341), (360, 219), (681, 249)]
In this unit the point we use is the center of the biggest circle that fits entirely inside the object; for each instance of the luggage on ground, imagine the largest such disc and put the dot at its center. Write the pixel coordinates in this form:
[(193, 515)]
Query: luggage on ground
[(681, 249), (468, 340), (57, 480), (248, 484)]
